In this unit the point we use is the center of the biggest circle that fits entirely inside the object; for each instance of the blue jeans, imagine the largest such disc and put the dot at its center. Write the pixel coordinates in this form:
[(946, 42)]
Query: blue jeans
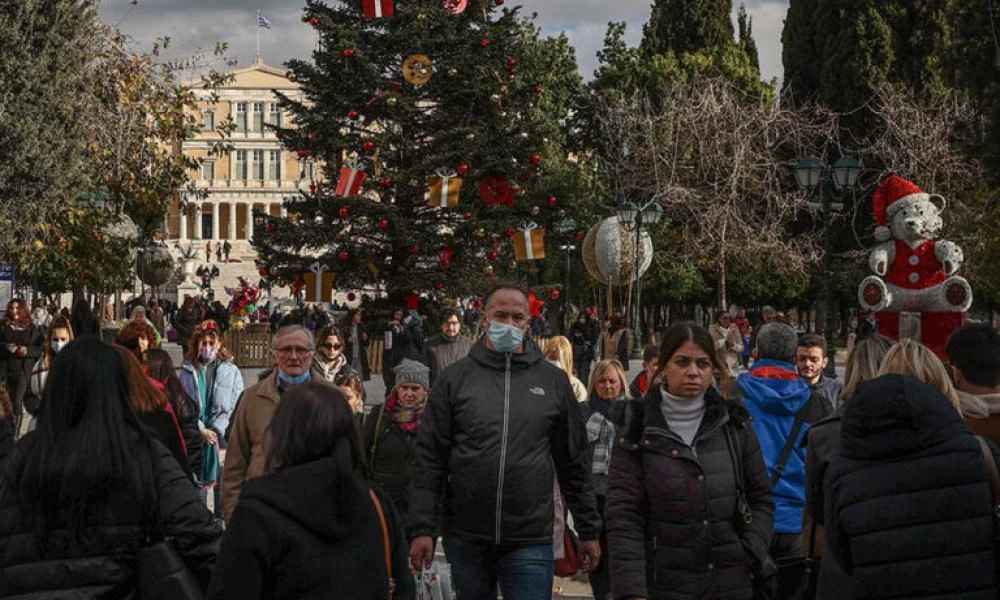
[(523, 572)]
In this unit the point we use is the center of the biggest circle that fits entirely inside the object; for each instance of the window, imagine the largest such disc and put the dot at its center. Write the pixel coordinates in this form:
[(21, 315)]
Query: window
[(241, 164), (208, 170), (241, 116), (274, 165), (306, 169), (208, 120), (258, 116), (275, 118), (258, 164)]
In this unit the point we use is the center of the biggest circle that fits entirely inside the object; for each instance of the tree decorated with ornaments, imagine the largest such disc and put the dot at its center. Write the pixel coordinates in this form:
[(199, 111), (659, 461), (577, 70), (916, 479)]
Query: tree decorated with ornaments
[(442, 128)]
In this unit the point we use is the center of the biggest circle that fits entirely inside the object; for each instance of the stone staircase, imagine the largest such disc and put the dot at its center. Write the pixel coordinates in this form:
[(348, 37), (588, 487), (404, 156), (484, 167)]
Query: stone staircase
[(241, 264)]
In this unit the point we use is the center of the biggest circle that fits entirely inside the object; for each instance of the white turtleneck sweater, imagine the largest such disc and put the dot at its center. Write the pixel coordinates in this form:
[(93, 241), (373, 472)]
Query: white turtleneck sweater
[(683, 415)]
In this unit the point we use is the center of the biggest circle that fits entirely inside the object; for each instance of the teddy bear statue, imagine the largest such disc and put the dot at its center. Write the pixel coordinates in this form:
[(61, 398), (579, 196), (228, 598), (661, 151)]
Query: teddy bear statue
[(914, 270)]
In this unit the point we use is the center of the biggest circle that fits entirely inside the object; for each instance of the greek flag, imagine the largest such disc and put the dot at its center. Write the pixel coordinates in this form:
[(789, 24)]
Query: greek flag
[(263, 21)]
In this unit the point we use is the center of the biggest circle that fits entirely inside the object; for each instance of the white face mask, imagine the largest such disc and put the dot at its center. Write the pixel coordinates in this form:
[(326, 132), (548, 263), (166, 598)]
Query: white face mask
[(57, 345)]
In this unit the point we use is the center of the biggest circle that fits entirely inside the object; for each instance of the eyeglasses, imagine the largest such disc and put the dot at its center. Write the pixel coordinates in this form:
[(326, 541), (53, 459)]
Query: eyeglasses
[(331, 346), (291, 350)]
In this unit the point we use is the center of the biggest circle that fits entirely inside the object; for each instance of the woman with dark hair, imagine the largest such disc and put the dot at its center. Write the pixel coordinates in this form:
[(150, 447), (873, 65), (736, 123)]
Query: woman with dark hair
[(87, 486), (186, 319), (137, 336), (20, 346), (313, 528), (60, 333), (214, 382), (356, 343), (83, 320), (689, 513), (151, 405), (160, 372)]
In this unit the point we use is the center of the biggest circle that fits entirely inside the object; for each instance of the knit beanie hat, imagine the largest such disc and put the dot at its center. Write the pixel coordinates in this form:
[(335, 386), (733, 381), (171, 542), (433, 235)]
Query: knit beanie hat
[(411, 371)]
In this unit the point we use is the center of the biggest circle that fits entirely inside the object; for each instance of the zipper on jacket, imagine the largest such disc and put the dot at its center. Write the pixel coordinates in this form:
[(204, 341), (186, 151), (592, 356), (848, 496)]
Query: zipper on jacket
[(503, 444)]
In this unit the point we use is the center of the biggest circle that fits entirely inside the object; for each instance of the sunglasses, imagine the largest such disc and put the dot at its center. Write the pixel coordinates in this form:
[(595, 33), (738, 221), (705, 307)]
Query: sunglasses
[(332, 346)]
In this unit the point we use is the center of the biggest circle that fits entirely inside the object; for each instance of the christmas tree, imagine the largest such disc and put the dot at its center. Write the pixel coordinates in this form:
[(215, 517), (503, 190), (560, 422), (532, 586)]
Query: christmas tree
[(442, 128)]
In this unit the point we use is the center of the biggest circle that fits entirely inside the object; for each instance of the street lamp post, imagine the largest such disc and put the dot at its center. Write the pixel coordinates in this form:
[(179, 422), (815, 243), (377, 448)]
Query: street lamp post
[(636, 219), (566, 228), (832, 185)]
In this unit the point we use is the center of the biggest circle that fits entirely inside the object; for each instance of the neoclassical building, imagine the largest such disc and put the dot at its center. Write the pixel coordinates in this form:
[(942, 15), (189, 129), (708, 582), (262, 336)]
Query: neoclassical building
[(257, 174)]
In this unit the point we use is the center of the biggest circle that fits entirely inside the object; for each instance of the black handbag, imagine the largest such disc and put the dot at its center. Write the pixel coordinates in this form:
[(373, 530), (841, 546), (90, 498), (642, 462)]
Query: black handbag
[(798, 577), (162, 572)]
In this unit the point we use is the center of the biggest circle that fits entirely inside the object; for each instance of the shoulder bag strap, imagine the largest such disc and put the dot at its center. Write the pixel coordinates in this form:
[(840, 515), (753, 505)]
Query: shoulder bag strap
[(743, 511), (991, 470), (386, 541), (786, 452), (376, 434)]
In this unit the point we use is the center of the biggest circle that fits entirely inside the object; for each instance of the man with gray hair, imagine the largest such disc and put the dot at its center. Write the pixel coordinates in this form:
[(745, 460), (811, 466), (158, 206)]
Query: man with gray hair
[(783, 407)]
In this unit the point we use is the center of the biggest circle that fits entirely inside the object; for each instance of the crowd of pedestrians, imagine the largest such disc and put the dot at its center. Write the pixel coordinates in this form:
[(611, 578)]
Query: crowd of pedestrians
[(707, 476)]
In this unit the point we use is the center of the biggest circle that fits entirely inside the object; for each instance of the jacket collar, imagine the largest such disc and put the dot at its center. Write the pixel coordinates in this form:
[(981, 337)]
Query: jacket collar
[(497, 360)]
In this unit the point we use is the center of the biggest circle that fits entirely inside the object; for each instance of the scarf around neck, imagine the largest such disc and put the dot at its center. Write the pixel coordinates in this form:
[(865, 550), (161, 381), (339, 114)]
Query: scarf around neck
[(408, 419)]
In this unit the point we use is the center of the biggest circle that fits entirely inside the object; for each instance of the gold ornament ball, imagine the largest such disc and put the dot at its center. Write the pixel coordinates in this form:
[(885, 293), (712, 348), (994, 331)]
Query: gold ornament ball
[(535, 210), (363, 220), (39, 244), (503, 89), (470, 136), (414, 183), (513, 264), (421, 16), (452, 72), (524, 135), (481, 232), (488, 270), (495, 98), (392, 101)]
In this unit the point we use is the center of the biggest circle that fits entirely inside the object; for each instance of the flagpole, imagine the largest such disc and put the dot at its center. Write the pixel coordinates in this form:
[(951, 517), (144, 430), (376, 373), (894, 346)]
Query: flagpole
[(258, 34)]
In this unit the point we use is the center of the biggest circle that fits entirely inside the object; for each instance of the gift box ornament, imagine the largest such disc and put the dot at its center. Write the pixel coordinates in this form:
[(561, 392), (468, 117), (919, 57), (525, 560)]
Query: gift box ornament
[(529, 243), (351, 178), (376, 9), (444, 189)]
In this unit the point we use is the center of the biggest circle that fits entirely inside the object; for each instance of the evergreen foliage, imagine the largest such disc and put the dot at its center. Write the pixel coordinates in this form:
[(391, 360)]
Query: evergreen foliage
[(682, 26)]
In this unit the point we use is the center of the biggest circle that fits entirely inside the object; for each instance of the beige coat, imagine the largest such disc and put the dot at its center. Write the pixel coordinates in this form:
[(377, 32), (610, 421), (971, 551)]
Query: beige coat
[(248, 447)]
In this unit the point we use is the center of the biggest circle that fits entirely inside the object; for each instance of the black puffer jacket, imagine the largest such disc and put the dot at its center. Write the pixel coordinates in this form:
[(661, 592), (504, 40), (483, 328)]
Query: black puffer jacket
[(105, 566), (392, 465), (907, 501), (494, 426), (671, 507)]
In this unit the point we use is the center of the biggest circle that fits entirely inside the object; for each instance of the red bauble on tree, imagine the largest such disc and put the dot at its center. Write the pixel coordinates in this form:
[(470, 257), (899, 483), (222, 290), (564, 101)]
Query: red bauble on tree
[(383, 224), (304, 153), (462, 169), (467, 215), (344, 255), (510, 232), (348, 52), (414, 249), (368, 146), (344, 212), (537, 89), (353, 115), (385, 182), (351, 296), (485, 43), (263, 271), (580, 235), (314, 21), (554, 294), (553, 201), (511, 62), (270, 228), (493, 255), (439, 286), (536, 158)]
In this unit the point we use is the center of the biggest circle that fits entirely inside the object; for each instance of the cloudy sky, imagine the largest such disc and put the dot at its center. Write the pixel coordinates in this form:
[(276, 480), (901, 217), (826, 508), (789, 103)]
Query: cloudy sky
[(202, 23)]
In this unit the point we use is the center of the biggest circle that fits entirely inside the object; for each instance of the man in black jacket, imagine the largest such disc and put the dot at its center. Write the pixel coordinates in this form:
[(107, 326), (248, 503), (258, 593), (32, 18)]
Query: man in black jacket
[(497, 424)]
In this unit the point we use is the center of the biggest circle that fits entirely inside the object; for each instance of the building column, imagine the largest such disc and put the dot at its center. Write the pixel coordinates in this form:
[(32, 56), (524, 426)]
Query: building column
[(232, 221), (216, 219), (182, 225), (197, 221), (249, 221)]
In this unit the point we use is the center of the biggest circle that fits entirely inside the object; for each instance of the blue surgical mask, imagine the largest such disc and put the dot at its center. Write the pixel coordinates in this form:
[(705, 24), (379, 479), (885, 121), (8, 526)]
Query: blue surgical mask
[(505, 337), (290, 380)]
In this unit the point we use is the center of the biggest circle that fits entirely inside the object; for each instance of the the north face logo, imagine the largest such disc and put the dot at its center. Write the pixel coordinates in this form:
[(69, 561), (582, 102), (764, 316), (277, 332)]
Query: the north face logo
[(537, 391)]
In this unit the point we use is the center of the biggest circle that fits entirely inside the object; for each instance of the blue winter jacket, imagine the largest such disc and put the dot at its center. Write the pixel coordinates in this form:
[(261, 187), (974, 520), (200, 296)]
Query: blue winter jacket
[(226, 390), (773, 392)]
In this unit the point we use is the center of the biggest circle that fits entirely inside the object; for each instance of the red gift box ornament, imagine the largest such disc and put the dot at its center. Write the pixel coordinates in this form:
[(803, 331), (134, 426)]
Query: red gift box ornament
[(351, 178), (376, 9), (497, 190), (445, 256), (444, 189)]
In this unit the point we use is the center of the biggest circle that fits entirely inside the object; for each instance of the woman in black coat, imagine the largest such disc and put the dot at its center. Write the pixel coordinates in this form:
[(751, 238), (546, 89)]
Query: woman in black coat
[(160, 370), (21, 344), (6, 428), (907, 501), (672, 516), (85, 488), (311, 529)]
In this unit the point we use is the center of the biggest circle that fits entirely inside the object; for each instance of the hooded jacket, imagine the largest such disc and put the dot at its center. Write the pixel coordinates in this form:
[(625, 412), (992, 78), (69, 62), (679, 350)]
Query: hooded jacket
[(311, 531), (495, 427), (907, 501), (774, 393)]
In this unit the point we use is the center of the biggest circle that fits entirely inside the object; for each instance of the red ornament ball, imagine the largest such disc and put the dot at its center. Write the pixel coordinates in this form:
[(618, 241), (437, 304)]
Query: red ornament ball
[(415, 249), (511, 62), (553, 201), (348, 52), (580, 235), (344, 212), (270, 228), (385, 182), (510, 232), (554, 294), (314, 21), (462, 169), (493, 256), (353, 115), (344, 255), (537, 89), (536, 158), (304, 153), (467, 215), (263, 271), (485, 43), (351, 296), (439, 286), (368, 146), (383, 224)]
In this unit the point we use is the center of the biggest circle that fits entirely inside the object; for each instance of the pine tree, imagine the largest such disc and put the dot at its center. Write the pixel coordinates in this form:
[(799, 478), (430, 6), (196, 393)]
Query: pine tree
[(485, 102), (745, 40), (800, 52), (684, 26)]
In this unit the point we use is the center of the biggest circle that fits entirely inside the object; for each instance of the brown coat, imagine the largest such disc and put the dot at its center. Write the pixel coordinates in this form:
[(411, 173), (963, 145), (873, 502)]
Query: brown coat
[(247, 449)]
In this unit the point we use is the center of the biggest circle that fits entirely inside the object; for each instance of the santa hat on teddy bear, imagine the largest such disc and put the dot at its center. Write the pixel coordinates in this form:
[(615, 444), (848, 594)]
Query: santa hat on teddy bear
[(893, 195)]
